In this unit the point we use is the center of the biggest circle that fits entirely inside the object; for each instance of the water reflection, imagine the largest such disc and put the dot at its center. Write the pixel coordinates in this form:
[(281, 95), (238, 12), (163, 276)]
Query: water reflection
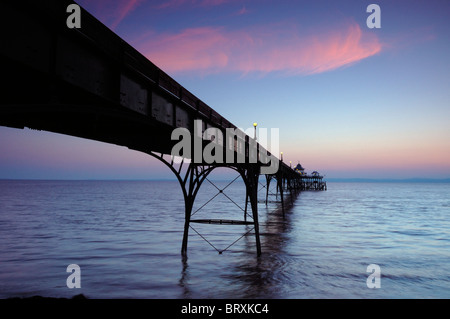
[(183, 282), (126, 237), (248, 276)]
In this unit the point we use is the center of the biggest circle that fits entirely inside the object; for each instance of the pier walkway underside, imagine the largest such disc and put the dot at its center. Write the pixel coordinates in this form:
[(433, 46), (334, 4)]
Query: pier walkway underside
[(90, 83)]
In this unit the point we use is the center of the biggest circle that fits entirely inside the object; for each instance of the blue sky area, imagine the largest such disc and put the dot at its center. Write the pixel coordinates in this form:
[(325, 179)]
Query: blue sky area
[(349, 101)]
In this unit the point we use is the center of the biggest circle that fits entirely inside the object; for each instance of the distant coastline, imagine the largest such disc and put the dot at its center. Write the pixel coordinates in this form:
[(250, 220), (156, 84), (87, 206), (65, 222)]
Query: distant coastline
[(389, 180), (333, 180)]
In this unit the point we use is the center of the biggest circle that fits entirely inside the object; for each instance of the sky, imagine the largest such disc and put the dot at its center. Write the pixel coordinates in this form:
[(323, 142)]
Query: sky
[(349, 100)]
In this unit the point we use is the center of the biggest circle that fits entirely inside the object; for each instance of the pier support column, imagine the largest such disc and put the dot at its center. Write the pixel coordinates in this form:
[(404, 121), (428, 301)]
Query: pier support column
[(192, 178), (268, 179), (280, 183), (188, 203), (251, 181), (190, 182)]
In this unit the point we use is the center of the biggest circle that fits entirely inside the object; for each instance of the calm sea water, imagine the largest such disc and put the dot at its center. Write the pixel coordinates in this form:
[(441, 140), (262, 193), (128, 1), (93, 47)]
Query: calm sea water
[(126, 238)]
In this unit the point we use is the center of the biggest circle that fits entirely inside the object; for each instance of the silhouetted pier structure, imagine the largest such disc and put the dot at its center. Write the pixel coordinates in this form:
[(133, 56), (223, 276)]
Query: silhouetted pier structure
[(90, 83), (309, 182), (312, 183)]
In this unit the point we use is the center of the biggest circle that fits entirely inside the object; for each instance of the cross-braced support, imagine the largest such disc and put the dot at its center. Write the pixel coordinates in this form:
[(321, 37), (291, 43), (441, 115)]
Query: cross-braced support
[(250, 175), (191, 180)]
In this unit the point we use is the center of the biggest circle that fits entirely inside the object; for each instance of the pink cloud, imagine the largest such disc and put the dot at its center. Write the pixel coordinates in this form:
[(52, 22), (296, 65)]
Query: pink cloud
[(125, 8), (192, 49), (242, 11), (111, 12), (260, 50), (177, 3)]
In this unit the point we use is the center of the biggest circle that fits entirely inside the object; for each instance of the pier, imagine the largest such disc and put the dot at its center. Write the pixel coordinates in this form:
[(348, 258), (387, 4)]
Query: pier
[(88, 82)]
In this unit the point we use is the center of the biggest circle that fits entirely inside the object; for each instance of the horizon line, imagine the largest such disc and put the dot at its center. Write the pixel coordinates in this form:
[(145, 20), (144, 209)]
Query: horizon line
[(332, 179)]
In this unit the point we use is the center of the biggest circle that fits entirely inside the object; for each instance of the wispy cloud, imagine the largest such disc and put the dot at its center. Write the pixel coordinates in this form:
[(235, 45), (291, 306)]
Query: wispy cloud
[(125, 8), (260, 50), (242, 11), (178, 3), (111, 12)]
